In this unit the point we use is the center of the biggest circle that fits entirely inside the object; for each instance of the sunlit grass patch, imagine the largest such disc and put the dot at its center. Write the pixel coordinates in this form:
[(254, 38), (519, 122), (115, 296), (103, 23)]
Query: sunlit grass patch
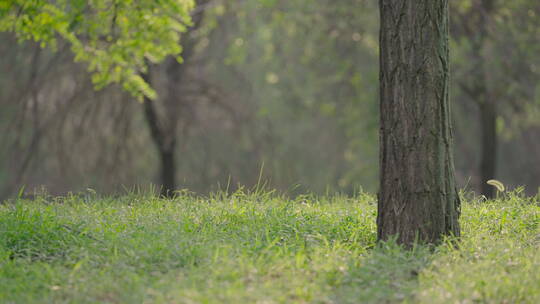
[(261, 247)]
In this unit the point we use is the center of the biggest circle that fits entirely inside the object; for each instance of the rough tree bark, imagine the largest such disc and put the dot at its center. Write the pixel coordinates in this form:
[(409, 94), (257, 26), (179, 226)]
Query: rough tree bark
[(418, 200)]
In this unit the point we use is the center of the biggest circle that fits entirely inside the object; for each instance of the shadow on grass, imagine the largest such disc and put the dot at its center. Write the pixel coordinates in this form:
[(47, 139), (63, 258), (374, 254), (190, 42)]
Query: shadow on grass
[(389, 274)]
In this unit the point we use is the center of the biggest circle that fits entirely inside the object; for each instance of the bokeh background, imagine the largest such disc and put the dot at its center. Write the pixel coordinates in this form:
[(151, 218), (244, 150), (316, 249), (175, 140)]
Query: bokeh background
[(283, 92)]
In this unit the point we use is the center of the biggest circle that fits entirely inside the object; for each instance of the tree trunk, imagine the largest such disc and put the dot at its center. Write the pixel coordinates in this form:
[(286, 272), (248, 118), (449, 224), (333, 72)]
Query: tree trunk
[(418, 200), (168, 171), (163, 127), (165, 144), (489, 146), (487, 108)]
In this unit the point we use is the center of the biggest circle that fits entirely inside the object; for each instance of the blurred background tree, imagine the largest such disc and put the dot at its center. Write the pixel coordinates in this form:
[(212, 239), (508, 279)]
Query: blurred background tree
[(286, 90), (496, 47)]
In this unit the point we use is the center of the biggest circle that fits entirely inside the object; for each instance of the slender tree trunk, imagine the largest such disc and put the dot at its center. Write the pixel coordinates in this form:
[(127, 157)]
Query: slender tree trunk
[(487, 108), (168, 171), (418, 200), (165, 144), (488, 115), (163, 129), (487, 111)]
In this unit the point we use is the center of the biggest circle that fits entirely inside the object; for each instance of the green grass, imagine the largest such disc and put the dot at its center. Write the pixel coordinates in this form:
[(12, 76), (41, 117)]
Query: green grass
[(258, 248)]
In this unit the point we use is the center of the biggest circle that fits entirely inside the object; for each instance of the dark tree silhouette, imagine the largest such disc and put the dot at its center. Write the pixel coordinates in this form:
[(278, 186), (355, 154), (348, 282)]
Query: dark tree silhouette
[(163, 128)]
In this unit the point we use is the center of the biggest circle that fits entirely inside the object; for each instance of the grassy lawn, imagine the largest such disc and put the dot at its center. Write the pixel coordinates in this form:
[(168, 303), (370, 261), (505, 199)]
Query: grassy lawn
[(258, 248)]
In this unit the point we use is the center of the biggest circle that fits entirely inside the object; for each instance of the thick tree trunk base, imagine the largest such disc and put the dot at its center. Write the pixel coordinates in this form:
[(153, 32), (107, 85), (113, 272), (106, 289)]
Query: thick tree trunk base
[(418, 200)]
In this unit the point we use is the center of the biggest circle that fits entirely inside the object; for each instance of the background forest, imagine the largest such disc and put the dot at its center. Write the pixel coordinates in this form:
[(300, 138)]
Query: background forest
[(281, 91)]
